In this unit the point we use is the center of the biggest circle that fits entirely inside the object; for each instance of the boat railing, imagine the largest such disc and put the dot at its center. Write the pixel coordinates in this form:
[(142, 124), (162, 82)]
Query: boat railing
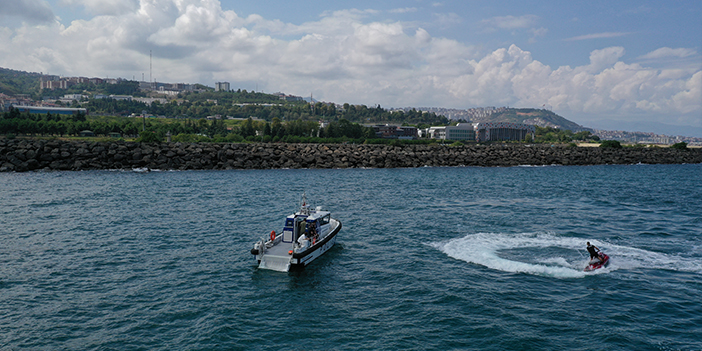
[(271, 243)]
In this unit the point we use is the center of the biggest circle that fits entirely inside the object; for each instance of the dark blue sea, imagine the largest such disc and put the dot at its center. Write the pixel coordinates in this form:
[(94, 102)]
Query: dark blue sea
[(428, 258)]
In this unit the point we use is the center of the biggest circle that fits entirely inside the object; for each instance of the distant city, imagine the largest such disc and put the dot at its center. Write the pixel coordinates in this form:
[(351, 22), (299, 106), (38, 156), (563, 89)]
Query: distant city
[(52, 82), (479, 113)]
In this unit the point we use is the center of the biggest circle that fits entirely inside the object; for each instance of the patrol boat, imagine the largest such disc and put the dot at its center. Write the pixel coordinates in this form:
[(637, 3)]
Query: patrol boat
[(307, 234)]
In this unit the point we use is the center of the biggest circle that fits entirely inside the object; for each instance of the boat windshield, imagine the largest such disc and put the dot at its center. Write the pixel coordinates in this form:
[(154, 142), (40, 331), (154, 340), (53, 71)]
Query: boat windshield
[(324, 220)]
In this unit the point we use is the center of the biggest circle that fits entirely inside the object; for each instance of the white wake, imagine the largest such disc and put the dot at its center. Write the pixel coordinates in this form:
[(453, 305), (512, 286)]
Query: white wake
[(548, 254)]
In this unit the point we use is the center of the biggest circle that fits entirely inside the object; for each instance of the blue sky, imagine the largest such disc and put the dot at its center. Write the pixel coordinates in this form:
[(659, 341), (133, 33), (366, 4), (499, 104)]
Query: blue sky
[(630, 65)]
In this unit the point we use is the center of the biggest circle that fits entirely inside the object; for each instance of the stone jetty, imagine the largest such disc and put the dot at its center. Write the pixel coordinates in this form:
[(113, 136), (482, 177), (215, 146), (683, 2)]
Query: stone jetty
[(21, 155)]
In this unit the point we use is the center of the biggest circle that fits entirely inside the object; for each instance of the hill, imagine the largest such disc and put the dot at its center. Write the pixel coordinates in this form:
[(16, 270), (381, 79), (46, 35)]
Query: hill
[(18, 82), (538, 117), (541, 118), (14, 82)]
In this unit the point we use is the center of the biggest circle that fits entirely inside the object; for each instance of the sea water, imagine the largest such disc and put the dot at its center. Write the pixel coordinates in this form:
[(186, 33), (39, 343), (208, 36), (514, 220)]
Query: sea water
[(428, 258)]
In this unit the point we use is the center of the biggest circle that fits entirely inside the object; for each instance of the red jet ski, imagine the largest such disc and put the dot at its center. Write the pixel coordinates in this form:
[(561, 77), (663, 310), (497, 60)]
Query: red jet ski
[(597, 263)]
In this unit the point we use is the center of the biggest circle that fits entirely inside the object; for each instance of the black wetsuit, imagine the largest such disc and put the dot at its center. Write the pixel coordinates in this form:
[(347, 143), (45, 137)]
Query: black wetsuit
[(593, 252)]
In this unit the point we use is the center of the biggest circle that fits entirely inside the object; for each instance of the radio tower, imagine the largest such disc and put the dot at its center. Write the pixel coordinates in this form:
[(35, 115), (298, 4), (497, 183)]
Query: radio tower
[(150, 67)]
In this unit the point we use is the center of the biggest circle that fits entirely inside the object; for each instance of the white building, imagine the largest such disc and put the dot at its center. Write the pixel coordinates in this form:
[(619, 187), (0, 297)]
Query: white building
[(493, 131), (222, 86), (461, 131)]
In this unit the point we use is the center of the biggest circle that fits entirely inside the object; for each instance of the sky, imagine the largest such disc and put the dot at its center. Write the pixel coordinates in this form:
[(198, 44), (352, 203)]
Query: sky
[(616, 65)]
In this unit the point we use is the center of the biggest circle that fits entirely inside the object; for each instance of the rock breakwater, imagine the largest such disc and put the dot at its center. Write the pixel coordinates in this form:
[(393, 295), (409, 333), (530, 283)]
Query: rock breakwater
[(23, 155)]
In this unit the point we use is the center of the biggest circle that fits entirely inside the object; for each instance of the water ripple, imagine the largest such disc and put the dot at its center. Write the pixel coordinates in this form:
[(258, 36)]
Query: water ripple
[(429, 258)]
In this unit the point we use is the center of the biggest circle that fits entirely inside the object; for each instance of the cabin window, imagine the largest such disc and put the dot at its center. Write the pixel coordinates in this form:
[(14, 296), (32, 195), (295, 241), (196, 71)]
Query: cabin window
[(324, 220), (289, 222)]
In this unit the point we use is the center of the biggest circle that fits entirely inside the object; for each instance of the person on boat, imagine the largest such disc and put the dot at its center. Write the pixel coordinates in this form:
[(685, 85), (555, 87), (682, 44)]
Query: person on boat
[(303, 241), (313, 231), (594, 251)]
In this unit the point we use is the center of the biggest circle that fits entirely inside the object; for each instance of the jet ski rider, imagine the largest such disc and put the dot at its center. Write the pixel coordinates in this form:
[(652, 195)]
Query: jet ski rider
[(594, 251)]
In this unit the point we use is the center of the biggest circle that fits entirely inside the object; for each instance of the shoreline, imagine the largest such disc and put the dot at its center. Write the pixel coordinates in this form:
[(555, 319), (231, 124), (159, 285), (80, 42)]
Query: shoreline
[(22, 155)]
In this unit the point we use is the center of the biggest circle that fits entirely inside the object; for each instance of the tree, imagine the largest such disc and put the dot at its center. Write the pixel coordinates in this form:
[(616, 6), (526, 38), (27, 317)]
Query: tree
[(148, 137), (247, 128), (614, 144), (14, 113)]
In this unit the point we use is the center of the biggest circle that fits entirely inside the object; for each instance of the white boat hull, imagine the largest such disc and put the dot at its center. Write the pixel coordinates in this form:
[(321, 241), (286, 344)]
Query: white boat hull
[(311, 256), (278, 258)]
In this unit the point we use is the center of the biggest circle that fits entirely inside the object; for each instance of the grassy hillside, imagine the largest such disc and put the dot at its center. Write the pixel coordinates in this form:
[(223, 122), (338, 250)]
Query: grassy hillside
[(18, 82)]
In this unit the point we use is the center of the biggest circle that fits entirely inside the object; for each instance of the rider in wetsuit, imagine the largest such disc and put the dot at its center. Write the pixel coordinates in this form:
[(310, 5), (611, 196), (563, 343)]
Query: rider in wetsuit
[(594, 251)]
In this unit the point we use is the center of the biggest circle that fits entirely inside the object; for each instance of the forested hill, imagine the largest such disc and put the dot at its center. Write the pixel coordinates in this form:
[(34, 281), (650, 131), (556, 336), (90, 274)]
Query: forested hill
[(539, 117), (201, 105), (18, 82), (207, 102)]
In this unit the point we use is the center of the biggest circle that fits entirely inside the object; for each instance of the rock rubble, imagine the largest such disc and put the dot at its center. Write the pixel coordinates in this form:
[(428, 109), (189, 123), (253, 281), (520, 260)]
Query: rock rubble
[(21, 155)]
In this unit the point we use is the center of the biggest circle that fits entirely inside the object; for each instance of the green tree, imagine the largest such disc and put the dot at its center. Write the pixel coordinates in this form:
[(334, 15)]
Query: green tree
[(148, 137), (614, 144), (247, 128)]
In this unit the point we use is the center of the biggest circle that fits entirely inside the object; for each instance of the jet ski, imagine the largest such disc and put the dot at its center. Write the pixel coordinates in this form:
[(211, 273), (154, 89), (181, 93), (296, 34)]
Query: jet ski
[(597, 263)]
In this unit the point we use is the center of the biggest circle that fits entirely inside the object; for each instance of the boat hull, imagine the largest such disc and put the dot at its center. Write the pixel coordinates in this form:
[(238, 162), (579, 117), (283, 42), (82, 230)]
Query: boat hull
[(301, 259), (281, 258)]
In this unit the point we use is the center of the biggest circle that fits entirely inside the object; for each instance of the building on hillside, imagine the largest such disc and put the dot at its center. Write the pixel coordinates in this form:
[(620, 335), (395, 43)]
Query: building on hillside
[(147, 86), (435, 132), (150, 101), (78, 80), (166, 88), (55, 82), (395, 132), (498, 131), (121, 97), (222, 86), (285, 97), (461, 131), (53, 110), (480, 132), (77, 97), (7, 101), (168, 91), (52, 82)]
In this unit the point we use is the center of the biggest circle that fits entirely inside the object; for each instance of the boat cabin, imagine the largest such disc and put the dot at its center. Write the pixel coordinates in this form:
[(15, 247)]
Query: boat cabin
[(312, 225)]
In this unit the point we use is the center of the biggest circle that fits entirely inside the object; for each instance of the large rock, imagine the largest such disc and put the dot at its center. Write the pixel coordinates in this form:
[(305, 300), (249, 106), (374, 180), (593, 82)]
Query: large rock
[(26, 155)]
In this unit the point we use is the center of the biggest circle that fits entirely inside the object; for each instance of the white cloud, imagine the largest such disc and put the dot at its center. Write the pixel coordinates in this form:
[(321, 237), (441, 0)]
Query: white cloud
[(598, 36), (446, 20), (601, 59), (404, 10), (667, 52), (342, 57), (515, 24), (350, 13), (537, 32)]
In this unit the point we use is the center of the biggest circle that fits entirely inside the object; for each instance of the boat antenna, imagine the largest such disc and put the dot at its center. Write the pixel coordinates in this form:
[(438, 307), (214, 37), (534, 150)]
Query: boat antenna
[(304, 209)]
